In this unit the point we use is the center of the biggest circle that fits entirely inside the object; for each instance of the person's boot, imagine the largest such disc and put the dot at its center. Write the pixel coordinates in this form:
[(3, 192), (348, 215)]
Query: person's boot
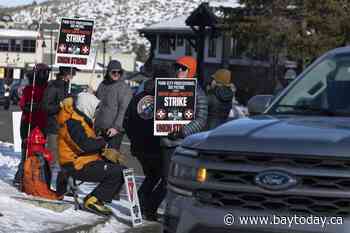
[(92, 204)]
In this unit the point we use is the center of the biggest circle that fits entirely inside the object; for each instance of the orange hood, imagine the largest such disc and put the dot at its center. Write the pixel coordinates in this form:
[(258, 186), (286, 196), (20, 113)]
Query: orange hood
[(190, 63)]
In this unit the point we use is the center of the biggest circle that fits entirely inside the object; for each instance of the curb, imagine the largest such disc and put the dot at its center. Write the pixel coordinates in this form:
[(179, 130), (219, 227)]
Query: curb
[(149, 228), (95, 227), (86, 228)]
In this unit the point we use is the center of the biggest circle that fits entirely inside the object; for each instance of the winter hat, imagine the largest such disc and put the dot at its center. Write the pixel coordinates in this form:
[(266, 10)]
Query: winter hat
[(190, 63), (222, 77), (114, 65), (87, 104), (42, 72), (66, 70)]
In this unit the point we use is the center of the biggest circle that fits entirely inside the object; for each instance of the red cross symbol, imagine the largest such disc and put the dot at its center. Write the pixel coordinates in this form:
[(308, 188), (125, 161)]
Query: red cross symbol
[(85, 49), (161, 114), (189, 114), (62, 48)]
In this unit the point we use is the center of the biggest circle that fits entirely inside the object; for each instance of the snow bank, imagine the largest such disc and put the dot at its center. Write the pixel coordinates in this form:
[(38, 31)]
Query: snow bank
[(19, 216)]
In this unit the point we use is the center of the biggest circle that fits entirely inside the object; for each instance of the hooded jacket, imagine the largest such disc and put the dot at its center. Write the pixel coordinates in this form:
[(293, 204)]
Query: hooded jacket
[(115, 97), (39, 115), (219, 105), (77, 141), (56, 91)]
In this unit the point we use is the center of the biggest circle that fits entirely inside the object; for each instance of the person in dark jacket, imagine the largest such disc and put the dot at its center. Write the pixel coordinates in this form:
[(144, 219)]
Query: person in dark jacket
[(115, 96), (84, 156), (55, 93), (146, 147), (220, 95), (32, 113)]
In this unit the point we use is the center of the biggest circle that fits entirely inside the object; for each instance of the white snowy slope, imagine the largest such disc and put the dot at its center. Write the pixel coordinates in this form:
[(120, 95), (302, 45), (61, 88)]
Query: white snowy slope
[(116, 20), (19, 216)]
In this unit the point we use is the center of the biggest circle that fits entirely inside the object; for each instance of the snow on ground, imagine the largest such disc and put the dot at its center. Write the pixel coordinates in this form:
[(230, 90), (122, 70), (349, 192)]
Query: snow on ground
[(24, 217)]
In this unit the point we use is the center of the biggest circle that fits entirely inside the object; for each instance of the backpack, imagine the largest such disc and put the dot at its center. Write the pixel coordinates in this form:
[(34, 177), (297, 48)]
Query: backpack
[(37, 176)]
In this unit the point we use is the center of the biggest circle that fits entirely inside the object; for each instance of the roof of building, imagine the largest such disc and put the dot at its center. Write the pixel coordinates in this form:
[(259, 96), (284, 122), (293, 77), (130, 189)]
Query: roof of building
[(178, 25), (16, 33), (225, 3), (175, 25)]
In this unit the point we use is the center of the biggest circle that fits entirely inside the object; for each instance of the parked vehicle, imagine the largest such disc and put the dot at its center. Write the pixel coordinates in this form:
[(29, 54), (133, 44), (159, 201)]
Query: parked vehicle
[(5, 100), (291, 160)]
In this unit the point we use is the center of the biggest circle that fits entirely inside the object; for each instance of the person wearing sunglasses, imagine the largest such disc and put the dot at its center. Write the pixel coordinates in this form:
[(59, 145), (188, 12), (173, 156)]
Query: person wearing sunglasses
[(115, 96), (185, 67)]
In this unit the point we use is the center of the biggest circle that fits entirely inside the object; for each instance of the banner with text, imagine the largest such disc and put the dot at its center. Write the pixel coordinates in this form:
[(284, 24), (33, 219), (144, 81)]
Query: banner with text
[(74, 43), (175, 104)]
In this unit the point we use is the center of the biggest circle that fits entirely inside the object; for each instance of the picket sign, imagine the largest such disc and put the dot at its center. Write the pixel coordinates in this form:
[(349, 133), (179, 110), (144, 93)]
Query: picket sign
[(16, 129), (131, 190)]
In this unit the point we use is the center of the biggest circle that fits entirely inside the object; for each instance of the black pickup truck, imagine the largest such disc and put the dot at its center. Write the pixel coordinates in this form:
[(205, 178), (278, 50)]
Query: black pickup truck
[(286, 169)]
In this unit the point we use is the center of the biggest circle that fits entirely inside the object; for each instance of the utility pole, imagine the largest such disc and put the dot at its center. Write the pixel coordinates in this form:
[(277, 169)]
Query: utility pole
[(51, 53), (104, 55)]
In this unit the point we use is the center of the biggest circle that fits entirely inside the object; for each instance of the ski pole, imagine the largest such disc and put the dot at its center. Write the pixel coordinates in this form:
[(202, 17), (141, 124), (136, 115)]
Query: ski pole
[(31, 110)]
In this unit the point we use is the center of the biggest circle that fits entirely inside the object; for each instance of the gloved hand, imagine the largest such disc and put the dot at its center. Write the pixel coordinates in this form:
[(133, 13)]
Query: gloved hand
[(176, 134), (113, 155)]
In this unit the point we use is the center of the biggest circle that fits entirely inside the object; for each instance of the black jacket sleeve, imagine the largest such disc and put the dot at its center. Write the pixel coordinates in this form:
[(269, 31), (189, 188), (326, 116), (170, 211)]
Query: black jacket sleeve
[(50, 101), (87, 144)]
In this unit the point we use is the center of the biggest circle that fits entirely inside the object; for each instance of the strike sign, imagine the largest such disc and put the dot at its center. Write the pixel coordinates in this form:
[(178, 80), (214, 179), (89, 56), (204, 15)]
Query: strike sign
[(74, 44), (175, 104)]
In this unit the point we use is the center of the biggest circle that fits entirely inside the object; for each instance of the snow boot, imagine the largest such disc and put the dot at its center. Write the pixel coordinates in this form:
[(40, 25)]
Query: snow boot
[(91, 203)]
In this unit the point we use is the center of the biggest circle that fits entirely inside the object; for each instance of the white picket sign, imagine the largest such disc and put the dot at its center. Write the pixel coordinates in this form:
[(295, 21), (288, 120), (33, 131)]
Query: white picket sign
[(131, 190)]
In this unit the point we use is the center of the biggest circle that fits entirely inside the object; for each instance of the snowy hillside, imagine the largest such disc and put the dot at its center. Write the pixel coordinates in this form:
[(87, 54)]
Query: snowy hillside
[(116, 20)]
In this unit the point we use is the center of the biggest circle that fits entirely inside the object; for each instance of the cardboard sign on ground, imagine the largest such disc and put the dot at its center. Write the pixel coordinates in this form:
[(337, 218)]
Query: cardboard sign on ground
[(74, 44), (175, 104), (131, 190)]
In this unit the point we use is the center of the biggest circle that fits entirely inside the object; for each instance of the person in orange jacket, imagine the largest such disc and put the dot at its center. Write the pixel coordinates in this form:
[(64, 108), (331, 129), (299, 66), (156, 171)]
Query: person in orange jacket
[(84, 156)]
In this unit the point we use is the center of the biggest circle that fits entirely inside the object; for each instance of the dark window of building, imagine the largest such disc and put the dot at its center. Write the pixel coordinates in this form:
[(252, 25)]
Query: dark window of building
[(238, 48), (212, 47), (180, 41), (164, 45), (4, 45), (188, 48), (29, 46), (15, 46)]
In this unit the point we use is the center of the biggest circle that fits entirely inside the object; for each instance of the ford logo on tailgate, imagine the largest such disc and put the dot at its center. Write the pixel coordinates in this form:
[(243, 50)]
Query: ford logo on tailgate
[(275, 180)]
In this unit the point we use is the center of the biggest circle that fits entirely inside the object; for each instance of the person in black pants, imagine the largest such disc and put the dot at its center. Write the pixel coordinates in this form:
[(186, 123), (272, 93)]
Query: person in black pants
[(84, 156), (138, 124)]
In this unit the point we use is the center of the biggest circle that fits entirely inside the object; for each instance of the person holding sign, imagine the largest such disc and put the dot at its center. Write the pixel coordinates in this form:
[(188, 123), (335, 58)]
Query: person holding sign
[(115, 96), (185, 67), (146, 147)]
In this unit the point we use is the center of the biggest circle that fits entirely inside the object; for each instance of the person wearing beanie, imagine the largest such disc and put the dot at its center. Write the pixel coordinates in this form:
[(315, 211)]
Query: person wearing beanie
[(84, 156), (185, 67), (56, 92), (37, 117), (220, 94), (115, 96)]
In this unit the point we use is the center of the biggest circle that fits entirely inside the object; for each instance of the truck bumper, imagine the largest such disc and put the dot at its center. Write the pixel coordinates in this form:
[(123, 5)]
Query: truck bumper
[(184, 214)]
